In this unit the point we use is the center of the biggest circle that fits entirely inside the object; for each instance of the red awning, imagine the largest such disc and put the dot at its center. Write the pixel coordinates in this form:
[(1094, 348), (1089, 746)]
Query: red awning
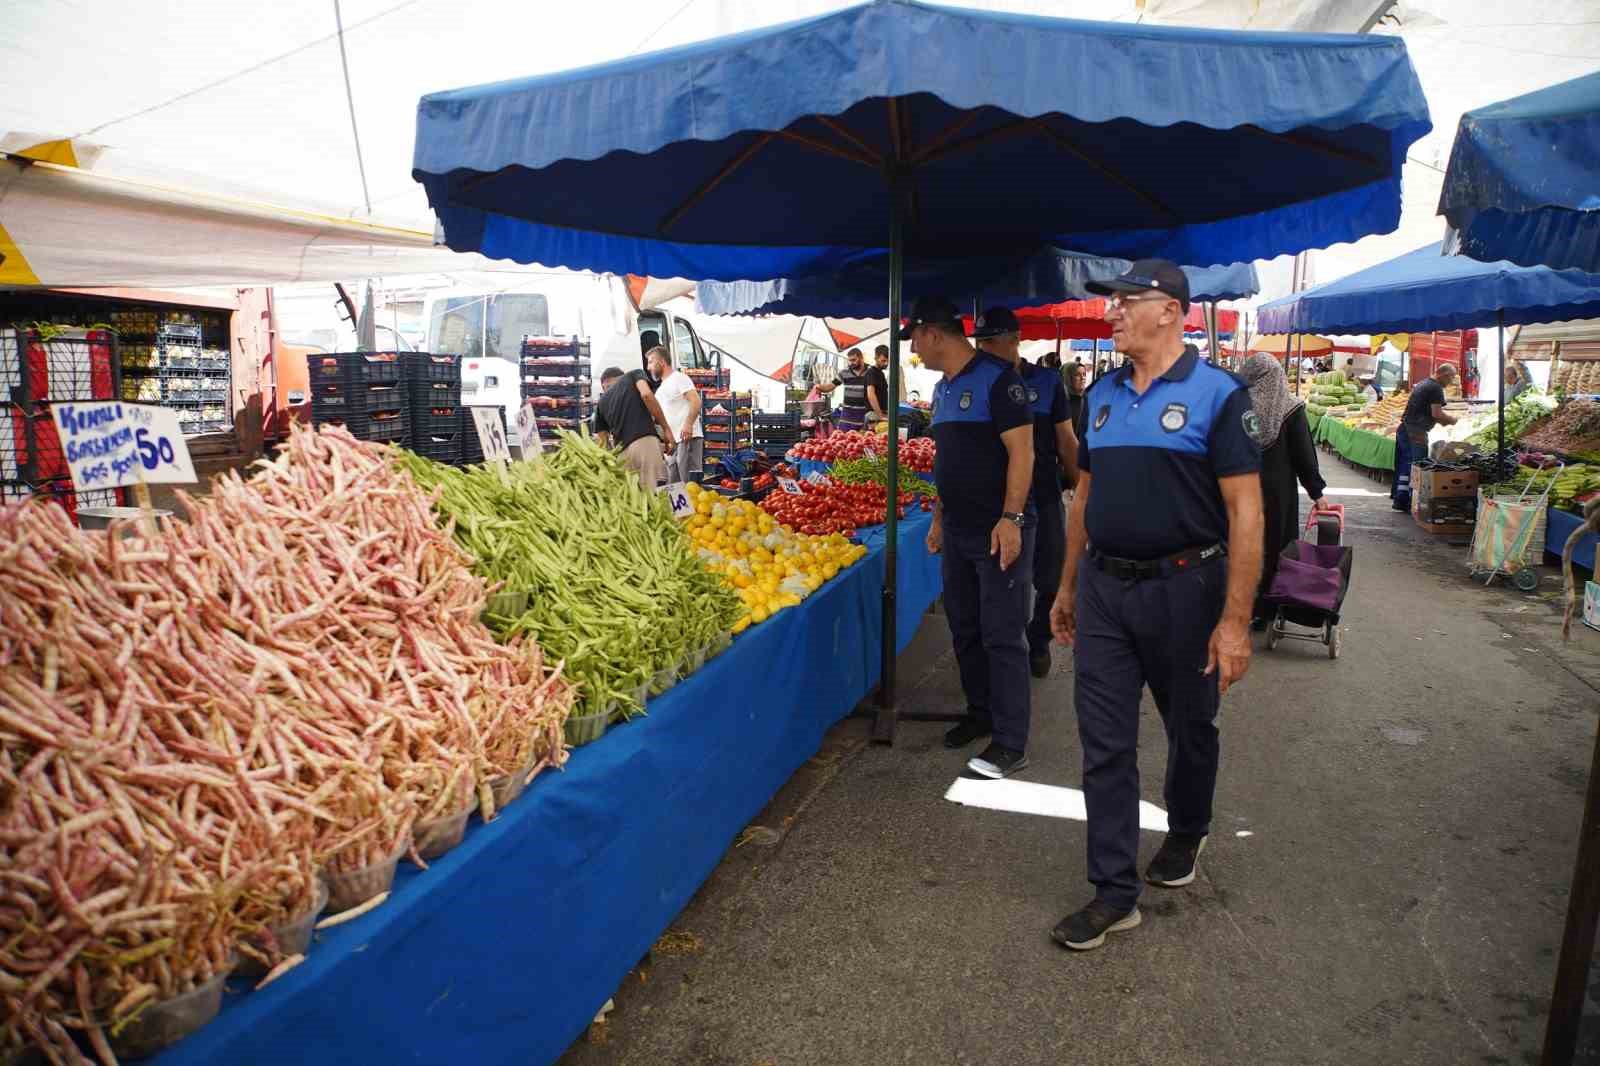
[(1085, 320)]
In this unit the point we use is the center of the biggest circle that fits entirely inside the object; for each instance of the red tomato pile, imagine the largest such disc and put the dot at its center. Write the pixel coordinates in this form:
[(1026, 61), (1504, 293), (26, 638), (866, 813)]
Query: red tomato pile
[(832, 508), (915, 455)]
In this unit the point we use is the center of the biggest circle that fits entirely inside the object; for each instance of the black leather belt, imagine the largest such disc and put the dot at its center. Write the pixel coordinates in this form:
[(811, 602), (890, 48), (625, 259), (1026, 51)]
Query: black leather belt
[(1143, 569)]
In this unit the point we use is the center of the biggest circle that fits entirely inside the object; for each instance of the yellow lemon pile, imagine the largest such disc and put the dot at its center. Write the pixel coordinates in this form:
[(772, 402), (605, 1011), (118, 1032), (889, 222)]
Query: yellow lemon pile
[(769, 565)]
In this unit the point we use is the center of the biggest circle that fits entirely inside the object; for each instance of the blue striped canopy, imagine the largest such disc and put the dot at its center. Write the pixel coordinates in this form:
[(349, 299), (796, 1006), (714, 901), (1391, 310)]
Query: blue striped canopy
[(777, 153)]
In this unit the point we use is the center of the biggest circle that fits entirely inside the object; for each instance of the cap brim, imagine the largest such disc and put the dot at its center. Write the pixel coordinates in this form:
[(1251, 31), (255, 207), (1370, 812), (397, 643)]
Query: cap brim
[(905, 330), (1112, 286)]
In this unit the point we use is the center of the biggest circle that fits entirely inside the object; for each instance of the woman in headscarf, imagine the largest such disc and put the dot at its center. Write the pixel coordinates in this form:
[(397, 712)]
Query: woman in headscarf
[(1287, 456)]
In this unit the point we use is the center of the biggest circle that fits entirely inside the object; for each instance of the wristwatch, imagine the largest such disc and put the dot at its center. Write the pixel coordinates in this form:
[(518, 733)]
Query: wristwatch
[(1018, 517)]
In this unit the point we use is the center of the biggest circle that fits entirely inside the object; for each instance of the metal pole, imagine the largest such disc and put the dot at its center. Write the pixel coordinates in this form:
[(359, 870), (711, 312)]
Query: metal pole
[(884, 725), (1208, 311), (1500, 389), (1577, 941)]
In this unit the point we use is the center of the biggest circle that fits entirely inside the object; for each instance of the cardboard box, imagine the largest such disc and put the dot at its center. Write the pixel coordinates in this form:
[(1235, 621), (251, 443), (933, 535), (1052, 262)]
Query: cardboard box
[(1445, 451), (1591, 604), (1443, 484), (1450, 510)]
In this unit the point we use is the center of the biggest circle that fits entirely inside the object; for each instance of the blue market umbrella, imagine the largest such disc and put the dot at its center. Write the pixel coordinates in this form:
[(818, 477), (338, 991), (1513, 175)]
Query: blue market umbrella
[(1523, 182), (1423, 290), (1047, 277), (896, 127)]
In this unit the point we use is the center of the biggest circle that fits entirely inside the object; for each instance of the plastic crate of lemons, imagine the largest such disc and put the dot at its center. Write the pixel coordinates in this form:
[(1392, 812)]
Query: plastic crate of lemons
[(769, 565)]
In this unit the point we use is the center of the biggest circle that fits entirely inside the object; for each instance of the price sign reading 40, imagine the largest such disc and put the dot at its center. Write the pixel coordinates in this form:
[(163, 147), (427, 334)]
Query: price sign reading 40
[(112, 443)]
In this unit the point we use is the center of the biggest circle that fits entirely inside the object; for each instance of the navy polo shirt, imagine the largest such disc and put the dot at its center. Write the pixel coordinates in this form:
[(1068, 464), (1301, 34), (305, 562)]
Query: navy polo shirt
[(1156, 458), (1047, 397), (970, 411)]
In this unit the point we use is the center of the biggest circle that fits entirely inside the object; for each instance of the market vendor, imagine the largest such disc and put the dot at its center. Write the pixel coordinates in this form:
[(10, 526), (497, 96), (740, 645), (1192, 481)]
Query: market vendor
[(860, 401), (1055, 457), (627, 416), (1424, 410), (880, 358), (1517, 382), (983, 524)]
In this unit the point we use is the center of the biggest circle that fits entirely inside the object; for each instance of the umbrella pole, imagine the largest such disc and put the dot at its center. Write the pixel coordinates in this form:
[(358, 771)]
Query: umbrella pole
[(884, 725), (1577, 941), (1209, 313), (1500, 389)]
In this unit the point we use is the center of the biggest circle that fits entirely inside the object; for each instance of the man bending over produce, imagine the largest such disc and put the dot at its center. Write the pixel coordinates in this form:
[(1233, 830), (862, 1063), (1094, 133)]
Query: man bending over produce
[(627, 416)]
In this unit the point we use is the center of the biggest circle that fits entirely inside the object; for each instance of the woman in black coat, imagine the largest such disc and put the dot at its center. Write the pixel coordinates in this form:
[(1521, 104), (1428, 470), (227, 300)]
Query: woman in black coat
[(1287, 456)]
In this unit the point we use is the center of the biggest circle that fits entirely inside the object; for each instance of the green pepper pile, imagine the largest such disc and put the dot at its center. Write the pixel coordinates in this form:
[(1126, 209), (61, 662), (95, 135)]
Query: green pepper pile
[(876, 471), (614, 587)]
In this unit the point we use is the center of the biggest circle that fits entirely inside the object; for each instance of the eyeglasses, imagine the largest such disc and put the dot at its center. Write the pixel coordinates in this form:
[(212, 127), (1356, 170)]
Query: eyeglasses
[(1120, 301)]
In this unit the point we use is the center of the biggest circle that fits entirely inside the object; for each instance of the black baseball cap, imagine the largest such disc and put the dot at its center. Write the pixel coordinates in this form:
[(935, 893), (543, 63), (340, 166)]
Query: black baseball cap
[(930, 310), (995, 322), (1146, 275)]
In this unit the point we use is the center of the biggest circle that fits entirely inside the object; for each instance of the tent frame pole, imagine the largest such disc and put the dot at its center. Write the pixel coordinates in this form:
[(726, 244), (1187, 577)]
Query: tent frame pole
[(1500, 388), (1578, 938), (883, 726)]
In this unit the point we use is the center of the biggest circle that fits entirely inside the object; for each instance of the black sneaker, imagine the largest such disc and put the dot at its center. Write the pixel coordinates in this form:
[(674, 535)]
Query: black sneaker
[(972, 727), (1174, 864), (1039, 664), (1087, 929), (997, 762)]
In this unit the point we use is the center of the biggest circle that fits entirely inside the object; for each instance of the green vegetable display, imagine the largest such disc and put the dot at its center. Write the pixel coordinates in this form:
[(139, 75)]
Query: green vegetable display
[(1521, 413), (614, 587), (876, 471)]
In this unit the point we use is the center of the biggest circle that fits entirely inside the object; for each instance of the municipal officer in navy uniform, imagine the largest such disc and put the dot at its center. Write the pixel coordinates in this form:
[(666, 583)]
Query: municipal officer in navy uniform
[(1055, 454), (983, 525), (1163, 555)]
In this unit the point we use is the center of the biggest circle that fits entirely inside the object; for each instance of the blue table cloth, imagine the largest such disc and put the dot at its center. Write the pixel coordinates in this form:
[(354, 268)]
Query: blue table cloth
[(1559, 528), (503, 951)]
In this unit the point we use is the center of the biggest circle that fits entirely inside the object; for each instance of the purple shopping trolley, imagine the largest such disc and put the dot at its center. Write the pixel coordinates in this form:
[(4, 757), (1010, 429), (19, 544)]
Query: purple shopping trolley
[(1308, 590)]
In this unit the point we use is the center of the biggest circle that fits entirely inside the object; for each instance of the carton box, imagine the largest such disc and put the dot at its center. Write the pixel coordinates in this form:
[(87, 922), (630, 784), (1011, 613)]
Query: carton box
[(1443, 484)]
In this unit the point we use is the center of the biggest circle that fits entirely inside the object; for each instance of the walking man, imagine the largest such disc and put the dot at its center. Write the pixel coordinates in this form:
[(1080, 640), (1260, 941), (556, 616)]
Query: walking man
[(1055, 457), (1163, 555), (983, 525)]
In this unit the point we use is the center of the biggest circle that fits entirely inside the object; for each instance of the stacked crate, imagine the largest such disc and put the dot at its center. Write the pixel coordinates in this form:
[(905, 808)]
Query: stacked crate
[(557, 382), (38, 368), (774, 433), (727, 418), (362, 392), (432, 386)]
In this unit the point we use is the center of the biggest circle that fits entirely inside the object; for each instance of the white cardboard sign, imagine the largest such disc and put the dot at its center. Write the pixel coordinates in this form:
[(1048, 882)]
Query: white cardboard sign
[(110, 443), (790, 485), (528, 438), (678, 496), (491, 434)]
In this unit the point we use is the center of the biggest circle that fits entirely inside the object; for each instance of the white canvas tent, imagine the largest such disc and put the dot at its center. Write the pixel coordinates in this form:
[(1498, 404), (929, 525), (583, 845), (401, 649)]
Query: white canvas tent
[(230, 108)]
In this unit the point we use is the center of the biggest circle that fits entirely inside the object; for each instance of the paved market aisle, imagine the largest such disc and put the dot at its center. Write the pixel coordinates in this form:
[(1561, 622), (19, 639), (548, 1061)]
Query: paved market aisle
[(1385, 883)]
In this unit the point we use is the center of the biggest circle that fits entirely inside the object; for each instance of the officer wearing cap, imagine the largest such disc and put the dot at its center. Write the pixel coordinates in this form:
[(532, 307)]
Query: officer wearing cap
[(1163, 554), (1055, 451), (983, 526)]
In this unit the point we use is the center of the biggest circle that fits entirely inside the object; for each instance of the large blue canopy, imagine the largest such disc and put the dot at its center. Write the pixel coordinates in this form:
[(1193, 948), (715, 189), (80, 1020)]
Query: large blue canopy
[(772, 153), (1424, 290), (857, 291), (1523, 183)]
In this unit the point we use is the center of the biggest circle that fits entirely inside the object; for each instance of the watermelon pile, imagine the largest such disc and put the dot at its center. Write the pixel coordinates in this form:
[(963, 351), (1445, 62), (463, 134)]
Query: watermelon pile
[(1333, 393)]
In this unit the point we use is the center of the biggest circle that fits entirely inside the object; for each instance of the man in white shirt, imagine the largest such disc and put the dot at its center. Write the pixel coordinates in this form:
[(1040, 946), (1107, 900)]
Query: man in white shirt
[(680, 402)]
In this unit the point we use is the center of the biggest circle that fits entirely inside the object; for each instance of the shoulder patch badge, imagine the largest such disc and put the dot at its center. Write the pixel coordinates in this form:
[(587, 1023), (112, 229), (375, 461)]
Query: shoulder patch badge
[(1252, 425), (1033, 395), (1174, 417), (1016, 394), (1102, 416), (966, 399)]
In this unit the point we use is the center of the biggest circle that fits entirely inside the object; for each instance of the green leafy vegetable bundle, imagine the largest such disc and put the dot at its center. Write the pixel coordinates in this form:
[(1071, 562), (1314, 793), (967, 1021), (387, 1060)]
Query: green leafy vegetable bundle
[(614, 587)]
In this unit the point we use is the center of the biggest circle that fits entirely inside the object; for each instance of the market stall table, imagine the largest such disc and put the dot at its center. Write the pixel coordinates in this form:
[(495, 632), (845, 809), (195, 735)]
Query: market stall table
[(1559, 528), (1362, 447), (503, 951)]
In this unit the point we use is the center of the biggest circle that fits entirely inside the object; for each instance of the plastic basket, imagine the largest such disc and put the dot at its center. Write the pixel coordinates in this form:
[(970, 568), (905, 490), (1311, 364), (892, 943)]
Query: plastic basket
[(426, 366), (436, 421), (587, 728), (351, 888), (371, 368), (433, 393), (292, 937), (437, 836), (163, 1024)]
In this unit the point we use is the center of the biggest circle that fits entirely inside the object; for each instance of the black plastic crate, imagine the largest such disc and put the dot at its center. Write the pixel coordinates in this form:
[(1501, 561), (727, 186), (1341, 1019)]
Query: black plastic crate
[(564, 367), (384, 426), (570, 347), (434, 421), (572, 388), (356, 397), (356, 368), (433, 393), (775, 420), (440, 449), (426, 366)]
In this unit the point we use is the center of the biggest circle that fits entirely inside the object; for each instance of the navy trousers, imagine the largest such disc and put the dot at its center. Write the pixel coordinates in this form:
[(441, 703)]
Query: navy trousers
[(988, 610), (1400, 491), (1049, 554), (1131, 634)]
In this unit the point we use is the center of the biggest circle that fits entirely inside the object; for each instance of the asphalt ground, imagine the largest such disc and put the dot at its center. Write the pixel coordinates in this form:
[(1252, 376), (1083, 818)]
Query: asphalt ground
[(1386, 880)]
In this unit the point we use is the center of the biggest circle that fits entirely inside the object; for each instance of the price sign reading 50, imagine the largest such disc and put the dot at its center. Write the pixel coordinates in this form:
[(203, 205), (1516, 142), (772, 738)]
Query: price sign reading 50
[(110, 443)]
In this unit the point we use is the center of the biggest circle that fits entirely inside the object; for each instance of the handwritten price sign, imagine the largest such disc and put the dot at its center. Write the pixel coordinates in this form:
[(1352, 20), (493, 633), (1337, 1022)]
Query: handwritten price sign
[(491, 433), (678, 496), (111, 443), (528, 433), (789, 485)]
